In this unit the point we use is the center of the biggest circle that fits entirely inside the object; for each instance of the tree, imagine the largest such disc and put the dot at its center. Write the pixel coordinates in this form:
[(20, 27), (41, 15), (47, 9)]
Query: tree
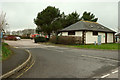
[(70, 19), (89, 17), (2, 21), (38, 30), (56, 26), (45, 19)]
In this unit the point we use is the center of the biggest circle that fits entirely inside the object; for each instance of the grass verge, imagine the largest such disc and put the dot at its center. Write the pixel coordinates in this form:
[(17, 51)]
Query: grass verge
[(109, 46), (112, 46), (6, 52)]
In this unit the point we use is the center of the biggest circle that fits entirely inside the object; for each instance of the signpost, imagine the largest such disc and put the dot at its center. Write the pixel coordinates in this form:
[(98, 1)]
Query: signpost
[(99, 39)]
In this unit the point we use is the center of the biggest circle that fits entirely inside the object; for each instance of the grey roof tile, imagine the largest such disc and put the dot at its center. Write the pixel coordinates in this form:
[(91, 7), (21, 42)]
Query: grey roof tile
[(88, 26)]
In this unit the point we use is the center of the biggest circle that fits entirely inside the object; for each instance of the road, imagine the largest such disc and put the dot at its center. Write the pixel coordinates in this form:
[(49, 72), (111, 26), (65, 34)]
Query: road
[(63, 62)]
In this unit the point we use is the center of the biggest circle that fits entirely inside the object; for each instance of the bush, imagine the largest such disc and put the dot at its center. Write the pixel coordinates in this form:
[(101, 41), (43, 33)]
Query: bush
[(67, 40), (25, 37), (40, 39), (53, 39)]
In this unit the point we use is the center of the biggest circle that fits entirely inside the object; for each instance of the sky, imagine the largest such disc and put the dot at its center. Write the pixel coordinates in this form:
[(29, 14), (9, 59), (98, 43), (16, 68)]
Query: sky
[(20, 14)]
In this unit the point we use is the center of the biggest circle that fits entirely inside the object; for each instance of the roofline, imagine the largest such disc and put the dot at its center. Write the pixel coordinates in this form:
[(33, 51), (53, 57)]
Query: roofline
[(87, 30)]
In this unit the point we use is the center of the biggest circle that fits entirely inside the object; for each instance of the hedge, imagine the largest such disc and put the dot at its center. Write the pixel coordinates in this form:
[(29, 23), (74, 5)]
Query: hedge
[(40, 39), (67, 40)]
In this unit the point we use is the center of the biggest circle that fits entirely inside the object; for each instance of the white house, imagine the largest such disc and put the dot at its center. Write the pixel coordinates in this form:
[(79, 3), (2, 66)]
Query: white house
[(90, 32)]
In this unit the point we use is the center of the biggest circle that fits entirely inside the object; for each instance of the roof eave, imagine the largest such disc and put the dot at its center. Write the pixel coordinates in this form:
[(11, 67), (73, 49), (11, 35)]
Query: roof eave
[(87, 30)]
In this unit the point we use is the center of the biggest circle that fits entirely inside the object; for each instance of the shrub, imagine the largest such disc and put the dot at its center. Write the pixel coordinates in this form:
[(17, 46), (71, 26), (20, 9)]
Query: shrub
[(6, 52), (25, 37), (67, 40), (54, 39), (40, 39)]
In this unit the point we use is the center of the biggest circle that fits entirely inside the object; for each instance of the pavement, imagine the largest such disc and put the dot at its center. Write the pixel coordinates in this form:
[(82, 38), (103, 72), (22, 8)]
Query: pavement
[(62, 62), (18, 57)]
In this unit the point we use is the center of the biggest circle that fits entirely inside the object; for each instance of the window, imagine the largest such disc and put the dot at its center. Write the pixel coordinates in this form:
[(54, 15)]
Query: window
[(71, 33), (95, 33)]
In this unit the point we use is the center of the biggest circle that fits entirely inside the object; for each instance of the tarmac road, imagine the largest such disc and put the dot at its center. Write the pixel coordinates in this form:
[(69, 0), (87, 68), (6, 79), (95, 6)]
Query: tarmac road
[(62, 62)]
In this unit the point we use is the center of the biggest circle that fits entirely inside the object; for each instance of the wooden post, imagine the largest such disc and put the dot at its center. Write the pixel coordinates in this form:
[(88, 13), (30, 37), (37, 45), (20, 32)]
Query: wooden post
[(106, 37), (113, 37)]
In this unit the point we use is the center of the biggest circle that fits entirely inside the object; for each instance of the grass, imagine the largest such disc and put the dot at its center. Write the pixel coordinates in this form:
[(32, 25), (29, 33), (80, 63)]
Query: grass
[(109, 46), (6, 52)]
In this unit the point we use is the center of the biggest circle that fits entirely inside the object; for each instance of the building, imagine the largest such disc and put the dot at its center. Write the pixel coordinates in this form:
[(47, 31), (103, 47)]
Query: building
[(90, 32), (24, 32)]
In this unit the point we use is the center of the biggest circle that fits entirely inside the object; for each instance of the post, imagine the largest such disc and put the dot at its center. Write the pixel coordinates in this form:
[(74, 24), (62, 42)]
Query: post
[(106, 37), (113, 37)]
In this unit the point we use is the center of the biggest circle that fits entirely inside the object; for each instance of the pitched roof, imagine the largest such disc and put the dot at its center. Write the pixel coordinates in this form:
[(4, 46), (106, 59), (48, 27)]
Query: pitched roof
[(117, 34), (88, 26)]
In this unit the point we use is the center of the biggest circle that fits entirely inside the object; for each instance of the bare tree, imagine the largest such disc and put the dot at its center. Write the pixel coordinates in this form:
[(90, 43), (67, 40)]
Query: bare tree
[(2, 21)]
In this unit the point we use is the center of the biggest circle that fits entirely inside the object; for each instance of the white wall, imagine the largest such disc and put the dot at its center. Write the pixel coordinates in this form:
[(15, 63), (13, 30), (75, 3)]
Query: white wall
[(109, 37), (90, 38), (64, 33)]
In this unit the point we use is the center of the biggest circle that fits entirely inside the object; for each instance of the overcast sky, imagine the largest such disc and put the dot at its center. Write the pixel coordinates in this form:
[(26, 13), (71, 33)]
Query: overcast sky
[(20, 15)]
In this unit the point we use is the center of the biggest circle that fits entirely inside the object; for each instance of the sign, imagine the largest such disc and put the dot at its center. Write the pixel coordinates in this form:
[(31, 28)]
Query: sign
[(1, 34), (99, 39)]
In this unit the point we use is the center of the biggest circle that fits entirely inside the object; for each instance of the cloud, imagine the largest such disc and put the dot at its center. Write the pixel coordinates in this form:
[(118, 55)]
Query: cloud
[(20, 15)]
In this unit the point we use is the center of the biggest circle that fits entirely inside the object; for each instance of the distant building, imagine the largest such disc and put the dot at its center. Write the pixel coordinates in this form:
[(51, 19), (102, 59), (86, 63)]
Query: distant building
[(14, 33), (7, 33), (28, 31), (24, 32), (90, 32)]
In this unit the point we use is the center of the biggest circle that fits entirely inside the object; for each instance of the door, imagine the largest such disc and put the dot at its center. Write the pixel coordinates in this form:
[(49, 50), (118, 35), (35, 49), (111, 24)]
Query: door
[(99, 39)]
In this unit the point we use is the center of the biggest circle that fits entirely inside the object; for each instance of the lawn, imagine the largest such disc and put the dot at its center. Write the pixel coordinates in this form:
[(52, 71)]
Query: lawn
[(109, 46), (6, 52), (112, 46)]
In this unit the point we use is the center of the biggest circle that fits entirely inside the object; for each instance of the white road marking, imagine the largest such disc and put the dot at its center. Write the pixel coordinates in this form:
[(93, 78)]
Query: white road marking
[(115, 72), (105, 75), (50, 46), (100, 58), (53, 50), (16, 47)]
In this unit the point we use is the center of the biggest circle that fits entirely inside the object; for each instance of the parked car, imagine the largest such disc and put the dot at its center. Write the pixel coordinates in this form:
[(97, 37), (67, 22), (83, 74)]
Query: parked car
[(10, 37), (5, 37), (18, 38), (32, 36)]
